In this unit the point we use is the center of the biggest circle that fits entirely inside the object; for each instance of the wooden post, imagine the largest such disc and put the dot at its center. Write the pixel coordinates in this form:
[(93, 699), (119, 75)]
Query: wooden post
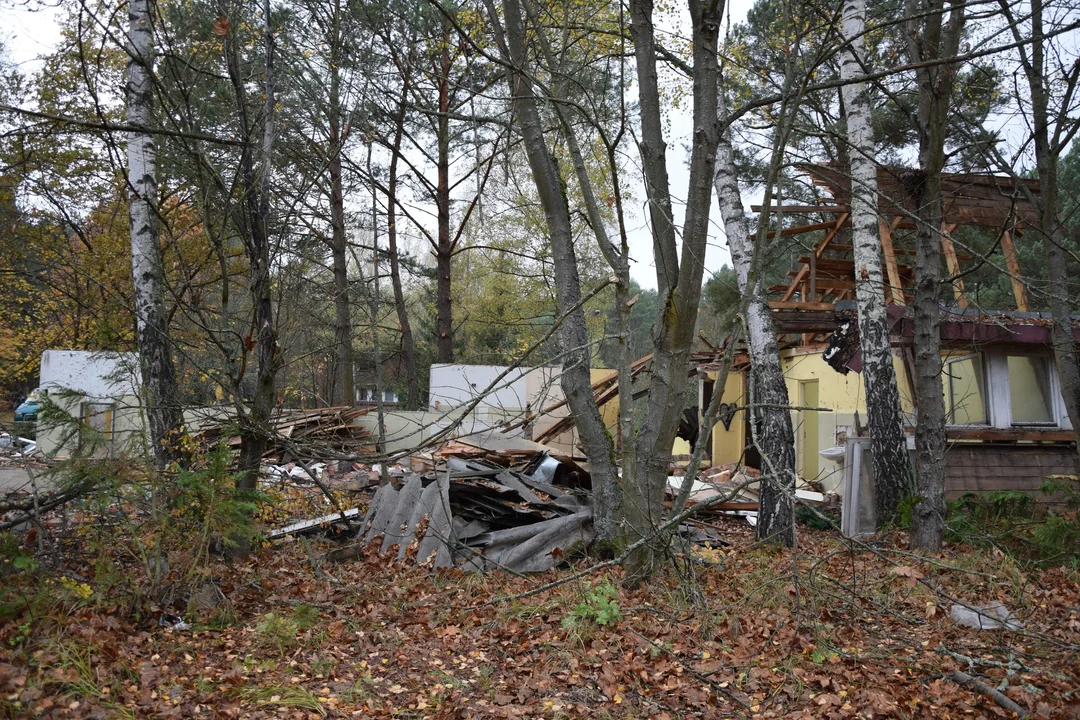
[(1011, 263), (897, 289), (953, 264)]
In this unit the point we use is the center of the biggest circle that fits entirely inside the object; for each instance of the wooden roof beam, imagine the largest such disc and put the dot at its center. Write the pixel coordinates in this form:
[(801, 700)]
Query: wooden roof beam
[(803, 209), (818, 250), (1013, 265), (953, 264), (896, 289)]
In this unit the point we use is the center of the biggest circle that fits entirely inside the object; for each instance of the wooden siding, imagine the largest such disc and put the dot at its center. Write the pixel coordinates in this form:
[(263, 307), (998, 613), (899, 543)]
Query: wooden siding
[(984, 468)]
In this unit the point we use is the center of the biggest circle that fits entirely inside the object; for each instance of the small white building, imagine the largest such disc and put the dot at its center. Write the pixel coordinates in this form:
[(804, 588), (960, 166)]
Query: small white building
[(101, 391), (522, 392)]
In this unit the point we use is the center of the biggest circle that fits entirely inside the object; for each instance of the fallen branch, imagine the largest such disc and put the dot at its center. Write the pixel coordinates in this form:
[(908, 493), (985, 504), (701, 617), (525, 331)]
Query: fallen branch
[(975, 685), (45, 504)]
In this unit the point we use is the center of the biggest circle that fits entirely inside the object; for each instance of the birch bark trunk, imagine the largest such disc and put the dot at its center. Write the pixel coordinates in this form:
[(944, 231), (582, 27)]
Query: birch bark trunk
[(155, 358), (770, 414), (892, 471)]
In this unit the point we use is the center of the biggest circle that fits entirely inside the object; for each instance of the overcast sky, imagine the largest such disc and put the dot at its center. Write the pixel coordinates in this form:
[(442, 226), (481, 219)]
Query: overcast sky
[(30, 31)]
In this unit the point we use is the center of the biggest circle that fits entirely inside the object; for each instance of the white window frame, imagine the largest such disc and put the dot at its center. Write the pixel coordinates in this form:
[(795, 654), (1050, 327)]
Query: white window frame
[(987, 401), (998, 393)]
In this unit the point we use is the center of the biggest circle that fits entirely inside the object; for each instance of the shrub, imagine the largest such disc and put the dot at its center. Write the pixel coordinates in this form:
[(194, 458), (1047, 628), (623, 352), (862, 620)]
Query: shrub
[(598, 605), (1014, 521)]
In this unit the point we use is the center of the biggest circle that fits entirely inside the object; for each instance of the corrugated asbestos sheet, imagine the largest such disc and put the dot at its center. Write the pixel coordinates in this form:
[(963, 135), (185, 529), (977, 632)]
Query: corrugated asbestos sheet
[(480, 517)]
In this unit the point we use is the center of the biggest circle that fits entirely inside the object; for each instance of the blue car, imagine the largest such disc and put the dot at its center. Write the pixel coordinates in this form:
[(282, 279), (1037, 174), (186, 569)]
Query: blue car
[(26, 413)]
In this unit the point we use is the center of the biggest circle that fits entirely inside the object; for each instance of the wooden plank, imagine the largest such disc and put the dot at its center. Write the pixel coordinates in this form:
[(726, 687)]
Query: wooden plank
[(800, 229), (953, 264), (818, 250), (803, 209), (788, 305), (963, 257), (1015, 435), (895, 288), (1013, 266)]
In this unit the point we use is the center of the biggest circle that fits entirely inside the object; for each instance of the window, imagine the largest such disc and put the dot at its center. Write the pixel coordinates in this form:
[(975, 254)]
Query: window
[(964, 385), (1002, 390), (1031, 401)]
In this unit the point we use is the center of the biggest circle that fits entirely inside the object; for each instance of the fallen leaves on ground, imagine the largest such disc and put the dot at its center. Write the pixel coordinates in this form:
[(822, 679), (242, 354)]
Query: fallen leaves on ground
[(854, 635)]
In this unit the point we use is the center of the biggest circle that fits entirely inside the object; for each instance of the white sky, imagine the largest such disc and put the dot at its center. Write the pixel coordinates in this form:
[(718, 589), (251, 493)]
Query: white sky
[(30, 31)]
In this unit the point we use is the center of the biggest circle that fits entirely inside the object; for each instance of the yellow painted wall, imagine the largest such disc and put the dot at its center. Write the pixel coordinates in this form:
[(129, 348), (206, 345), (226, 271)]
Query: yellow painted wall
[(609, 411), (727, 445), (842, 394), (1029, 388)]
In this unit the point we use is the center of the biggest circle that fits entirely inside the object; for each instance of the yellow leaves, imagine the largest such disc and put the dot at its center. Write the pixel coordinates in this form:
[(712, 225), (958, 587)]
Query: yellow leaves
[(80, 590)]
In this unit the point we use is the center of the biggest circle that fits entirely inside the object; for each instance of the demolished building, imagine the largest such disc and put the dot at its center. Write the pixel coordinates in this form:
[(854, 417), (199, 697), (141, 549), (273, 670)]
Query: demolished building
[(1007, 425)]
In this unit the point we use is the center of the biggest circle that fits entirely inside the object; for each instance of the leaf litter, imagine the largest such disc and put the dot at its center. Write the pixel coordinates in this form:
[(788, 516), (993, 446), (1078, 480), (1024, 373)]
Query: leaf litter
[(735, 634)]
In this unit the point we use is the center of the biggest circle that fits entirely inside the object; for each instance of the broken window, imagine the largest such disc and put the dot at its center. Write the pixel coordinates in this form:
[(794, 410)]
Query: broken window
[(1030, 398), (964, 385)]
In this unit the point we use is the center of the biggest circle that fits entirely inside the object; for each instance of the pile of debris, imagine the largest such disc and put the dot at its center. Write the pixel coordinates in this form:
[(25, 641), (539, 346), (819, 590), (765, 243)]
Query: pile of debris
[(473, 514), (323, 432), (524, 513), (741, 485), (531, 458), (481, 516)]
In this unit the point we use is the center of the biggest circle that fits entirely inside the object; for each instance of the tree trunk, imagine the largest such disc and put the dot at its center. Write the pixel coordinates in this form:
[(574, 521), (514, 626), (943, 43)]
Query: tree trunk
[(155, 358), (254, 423), (892, 470), (344, 393), (610, 509), (679, 279), (408, 345), (927, 41), (1047, 151), (770, 416), (373, 310), (444, 251), (576, 378)]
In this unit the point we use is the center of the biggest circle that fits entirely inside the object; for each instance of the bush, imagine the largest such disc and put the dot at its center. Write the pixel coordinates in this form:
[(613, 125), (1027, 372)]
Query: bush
[(1014, 521), (598, 606)]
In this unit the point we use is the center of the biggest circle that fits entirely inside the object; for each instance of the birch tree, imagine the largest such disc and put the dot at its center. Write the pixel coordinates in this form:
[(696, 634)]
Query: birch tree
[(155, 356), (770, 416), (892, 472)]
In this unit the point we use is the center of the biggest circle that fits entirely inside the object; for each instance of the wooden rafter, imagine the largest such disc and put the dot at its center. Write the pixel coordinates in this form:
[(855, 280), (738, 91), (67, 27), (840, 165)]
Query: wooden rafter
[(834, 228), (1013, 265), (953, 264), (896, 288)]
